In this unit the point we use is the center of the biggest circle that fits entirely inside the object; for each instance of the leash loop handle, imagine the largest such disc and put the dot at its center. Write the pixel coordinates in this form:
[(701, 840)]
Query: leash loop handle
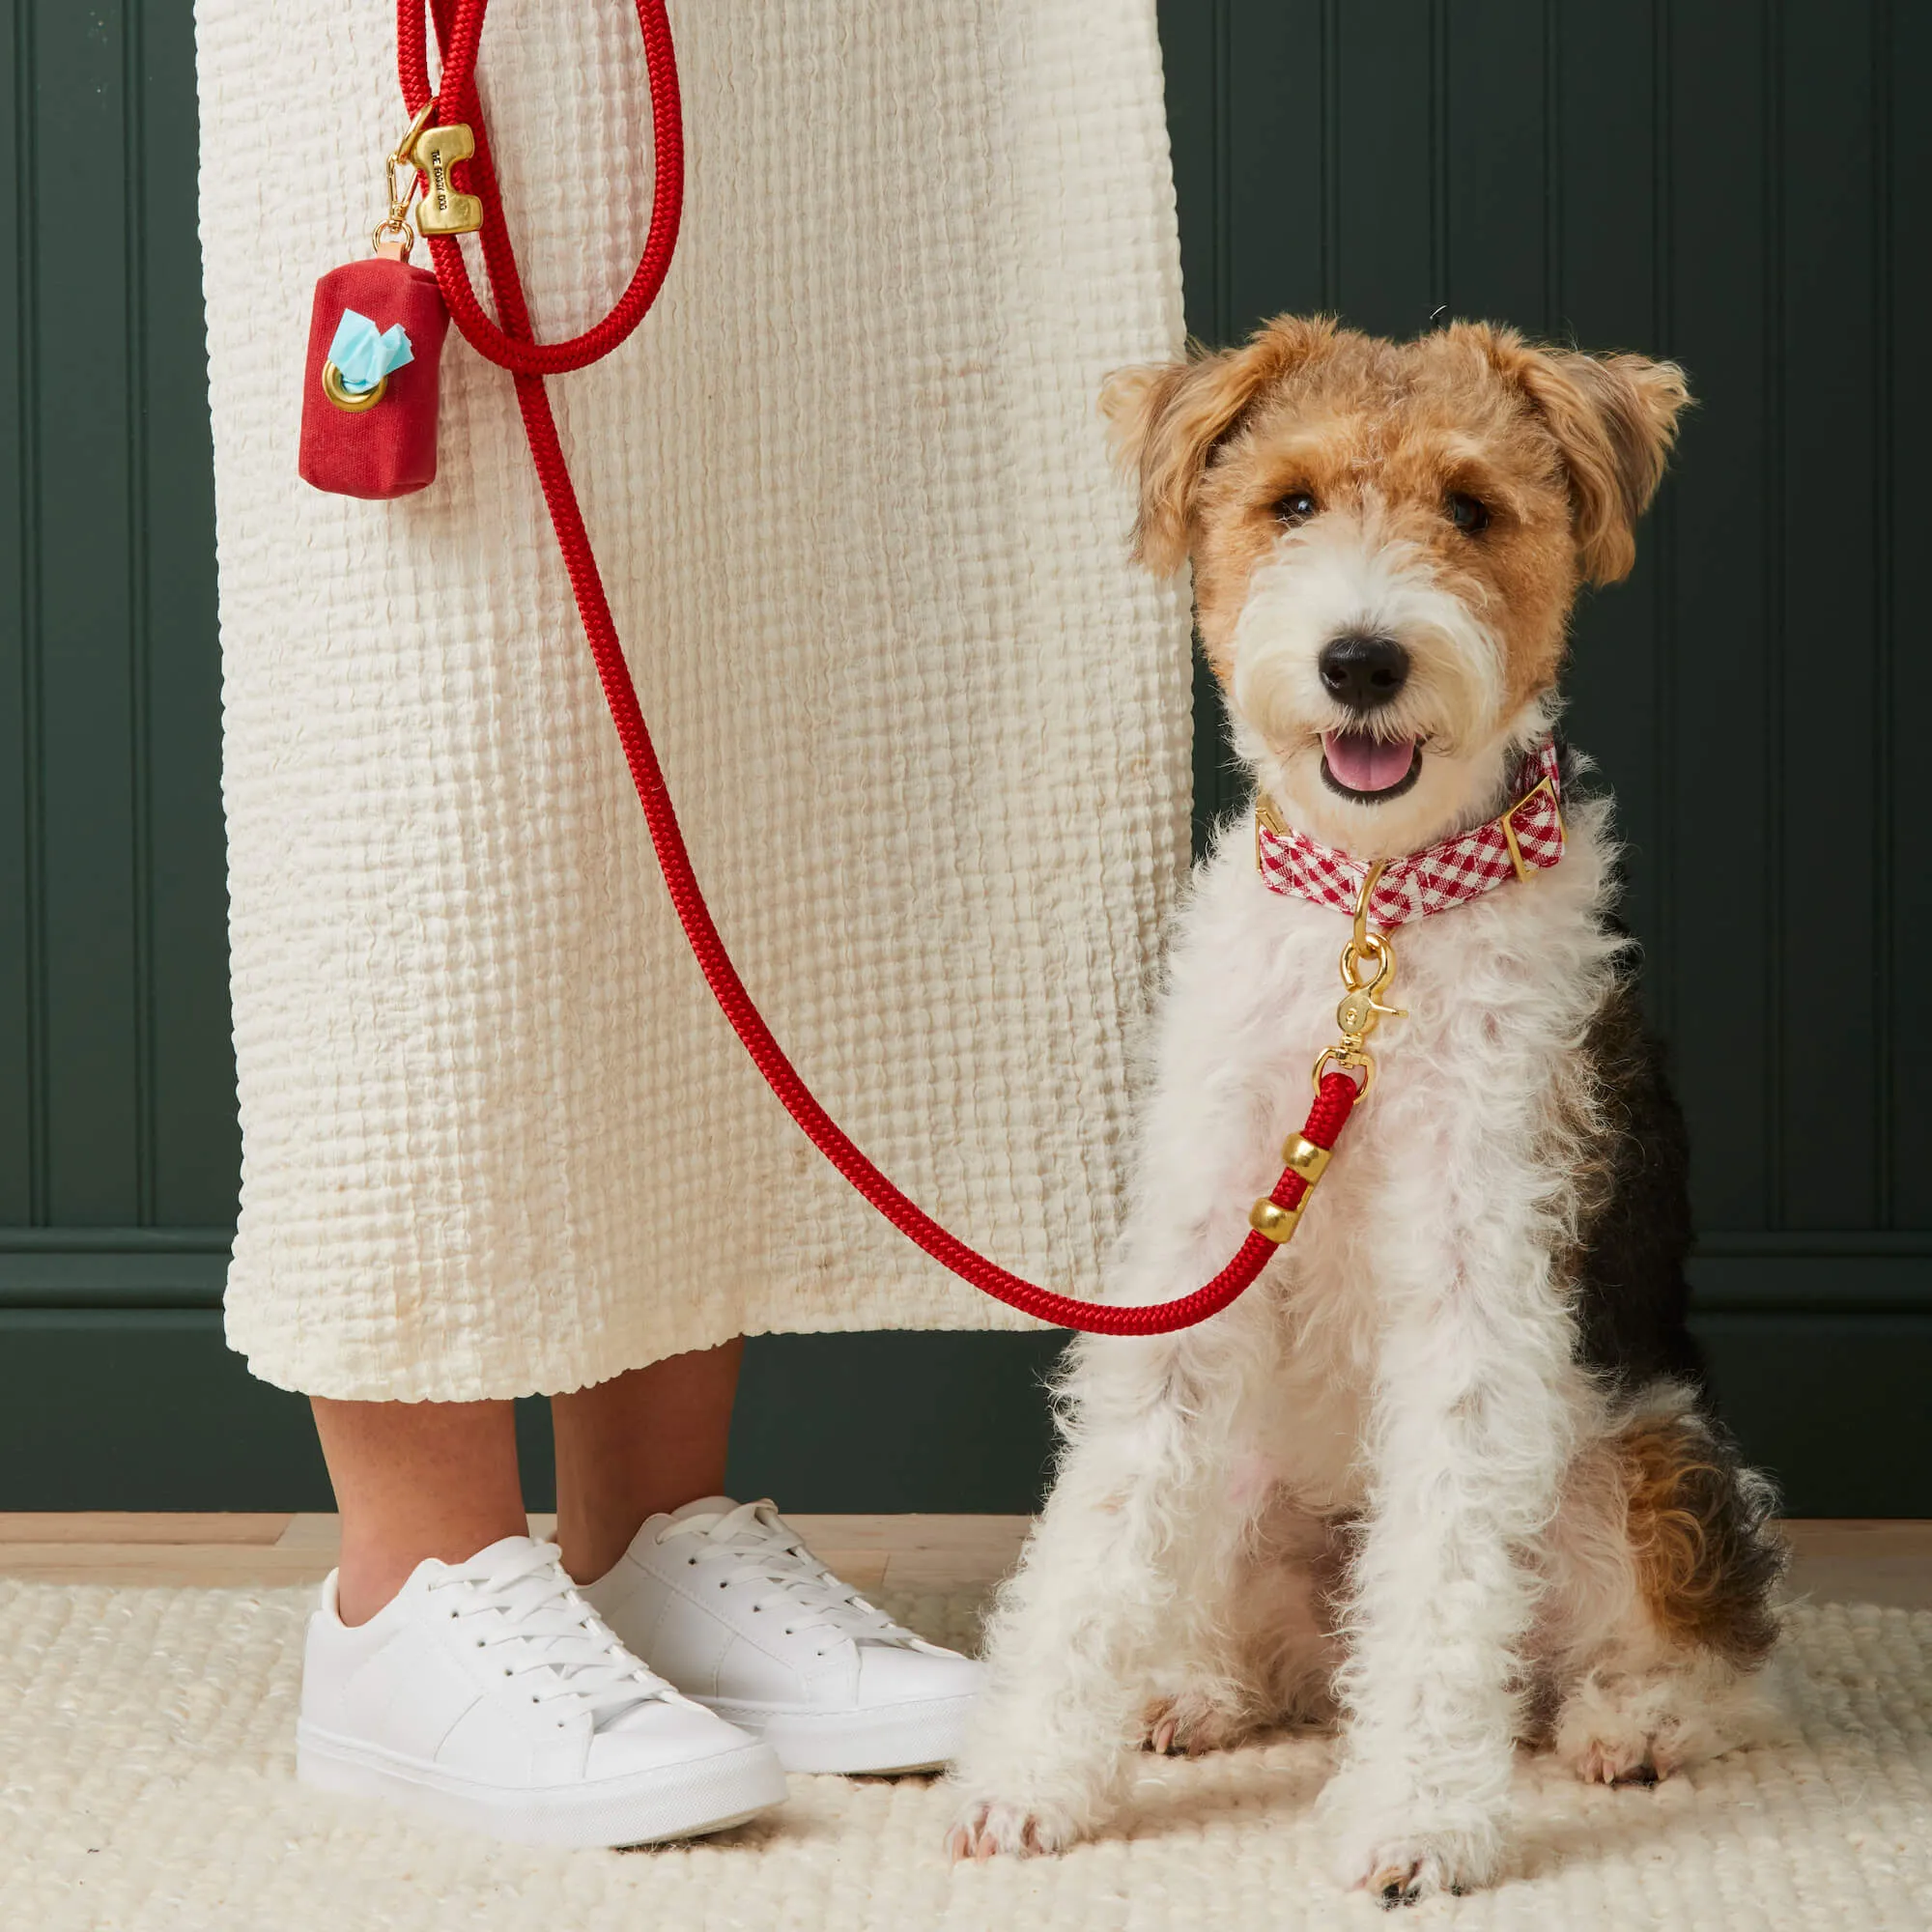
[(459, 26), (512, 346)]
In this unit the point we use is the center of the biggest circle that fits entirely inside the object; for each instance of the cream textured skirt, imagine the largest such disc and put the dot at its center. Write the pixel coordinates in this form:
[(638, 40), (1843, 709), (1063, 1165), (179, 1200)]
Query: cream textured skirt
[(927, 730)]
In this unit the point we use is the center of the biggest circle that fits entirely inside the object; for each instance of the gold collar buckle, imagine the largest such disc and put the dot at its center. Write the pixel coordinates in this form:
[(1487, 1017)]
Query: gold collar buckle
[(1508, 823)]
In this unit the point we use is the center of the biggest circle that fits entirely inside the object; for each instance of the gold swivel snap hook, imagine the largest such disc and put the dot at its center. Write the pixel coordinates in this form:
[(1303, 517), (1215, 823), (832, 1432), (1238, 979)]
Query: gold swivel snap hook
[(1368, 967)]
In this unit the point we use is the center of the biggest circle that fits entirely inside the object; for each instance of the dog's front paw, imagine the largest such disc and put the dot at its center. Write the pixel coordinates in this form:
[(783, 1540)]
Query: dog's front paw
[(1190, 1724), (1404, 1871), (1621, 1758), (1400, 1854), (984, 1827)]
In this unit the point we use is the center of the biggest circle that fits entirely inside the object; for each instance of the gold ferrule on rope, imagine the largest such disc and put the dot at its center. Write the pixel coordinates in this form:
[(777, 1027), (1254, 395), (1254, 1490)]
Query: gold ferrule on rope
[(1270, 1218), (1300, 1154)]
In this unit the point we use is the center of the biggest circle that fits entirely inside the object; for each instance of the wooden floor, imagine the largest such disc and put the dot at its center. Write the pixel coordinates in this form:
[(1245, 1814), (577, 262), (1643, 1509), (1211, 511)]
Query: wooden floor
[(929, 1554), (1878, 1561)]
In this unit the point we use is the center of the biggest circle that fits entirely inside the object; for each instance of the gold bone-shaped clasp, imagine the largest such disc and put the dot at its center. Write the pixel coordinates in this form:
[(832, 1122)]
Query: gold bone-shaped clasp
[(442, 209)]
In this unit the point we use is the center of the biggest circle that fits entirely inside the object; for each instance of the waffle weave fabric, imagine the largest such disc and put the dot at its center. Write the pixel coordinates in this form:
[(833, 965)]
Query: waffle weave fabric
[(927, 731)]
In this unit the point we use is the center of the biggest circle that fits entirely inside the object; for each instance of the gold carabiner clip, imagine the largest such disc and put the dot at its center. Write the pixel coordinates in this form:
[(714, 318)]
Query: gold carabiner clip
[(393, 231), (1361, 1010)]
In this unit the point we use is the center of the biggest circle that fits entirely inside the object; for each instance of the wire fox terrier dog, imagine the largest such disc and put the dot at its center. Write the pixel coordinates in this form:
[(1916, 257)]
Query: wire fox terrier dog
[(1445, 1475)]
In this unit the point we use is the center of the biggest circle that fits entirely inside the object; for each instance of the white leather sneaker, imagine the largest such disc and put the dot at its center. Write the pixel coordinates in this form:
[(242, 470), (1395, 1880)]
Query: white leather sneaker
[(489, 1693), (725, 1601)]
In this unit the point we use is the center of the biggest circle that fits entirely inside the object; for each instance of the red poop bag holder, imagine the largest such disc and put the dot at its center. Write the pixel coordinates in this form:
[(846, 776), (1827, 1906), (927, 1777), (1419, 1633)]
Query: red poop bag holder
[(375, 338), (369, 430)]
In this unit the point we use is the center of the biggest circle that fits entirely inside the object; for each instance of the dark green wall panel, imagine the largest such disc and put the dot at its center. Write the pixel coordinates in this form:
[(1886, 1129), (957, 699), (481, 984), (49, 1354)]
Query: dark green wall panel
[(1905, 431), (117, 1104), (20, 780), (1735, 185)]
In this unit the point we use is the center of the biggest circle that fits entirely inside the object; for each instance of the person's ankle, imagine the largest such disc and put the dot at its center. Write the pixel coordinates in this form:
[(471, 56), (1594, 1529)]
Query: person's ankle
[(589, 1557), (367, 1584), (595, 1536), (370, 1571)]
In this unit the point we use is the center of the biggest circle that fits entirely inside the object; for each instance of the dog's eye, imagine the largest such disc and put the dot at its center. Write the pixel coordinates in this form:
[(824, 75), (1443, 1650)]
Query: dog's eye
[(1296, 507), (1470, 514)]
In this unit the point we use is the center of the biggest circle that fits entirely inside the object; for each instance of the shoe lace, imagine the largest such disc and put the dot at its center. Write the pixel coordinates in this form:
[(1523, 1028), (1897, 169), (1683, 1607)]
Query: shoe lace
[(752, 1545), (527, 1614)]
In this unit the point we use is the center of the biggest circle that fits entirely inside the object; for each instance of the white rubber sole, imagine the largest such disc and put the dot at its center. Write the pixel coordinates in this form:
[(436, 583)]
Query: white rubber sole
[(680, 1801), (897, 1737)]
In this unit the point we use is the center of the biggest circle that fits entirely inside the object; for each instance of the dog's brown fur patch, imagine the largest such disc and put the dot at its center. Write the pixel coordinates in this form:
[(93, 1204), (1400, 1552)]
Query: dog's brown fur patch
[(1706, 1552)]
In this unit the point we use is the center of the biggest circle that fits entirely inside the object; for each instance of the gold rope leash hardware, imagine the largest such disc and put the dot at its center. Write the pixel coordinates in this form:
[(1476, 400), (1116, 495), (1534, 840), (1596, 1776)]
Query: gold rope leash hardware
[(1368, 966), (433, 153), (392, 236)]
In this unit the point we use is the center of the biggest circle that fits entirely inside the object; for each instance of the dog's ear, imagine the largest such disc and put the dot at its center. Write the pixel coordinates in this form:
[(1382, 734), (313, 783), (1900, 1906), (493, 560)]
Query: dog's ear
[(1614, 417), (1168, 420)]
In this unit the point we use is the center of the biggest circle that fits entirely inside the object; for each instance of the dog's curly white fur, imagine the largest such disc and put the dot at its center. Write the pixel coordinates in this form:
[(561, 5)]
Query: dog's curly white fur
[(1398, 1478)]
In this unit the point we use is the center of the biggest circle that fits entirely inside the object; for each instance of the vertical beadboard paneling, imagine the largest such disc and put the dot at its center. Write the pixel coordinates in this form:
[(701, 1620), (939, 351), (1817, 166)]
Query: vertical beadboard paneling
[(1905, 54), (116, 1075), (1384, 146), (1195, 57), (19, 922), (1722, 328), (1279, 194), (1827, 509), (195, 1144), (1491, 141), (1602, 103), (89, 1002), (1731, 185)]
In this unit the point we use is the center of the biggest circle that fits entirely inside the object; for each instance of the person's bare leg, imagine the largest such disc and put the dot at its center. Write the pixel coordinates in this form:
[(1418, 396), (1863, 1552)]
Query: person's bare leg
[(645, 1442), (414, 1480)]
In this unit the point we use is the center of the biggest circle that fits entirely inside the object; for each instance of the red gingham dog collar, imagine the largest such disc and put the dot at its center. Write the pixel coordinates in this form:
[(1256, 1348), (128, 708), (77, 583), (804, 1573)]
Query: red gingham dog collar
[(1526, 838)]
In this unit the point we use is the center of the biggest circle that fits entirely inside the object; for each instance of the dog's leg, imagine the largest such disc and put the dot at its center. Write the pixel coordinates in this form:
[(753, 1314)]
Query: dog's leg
[(1140, 1538), (1264, 1652), (1468, 1439), (1662, 1564), (1135, 1530)]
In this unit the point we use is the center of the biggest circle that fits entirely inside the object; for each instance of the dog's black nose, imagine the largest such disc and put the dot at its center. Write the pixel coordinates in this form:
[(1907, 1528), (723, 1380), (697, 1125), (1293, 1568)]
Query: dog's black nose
[(1363, 671)]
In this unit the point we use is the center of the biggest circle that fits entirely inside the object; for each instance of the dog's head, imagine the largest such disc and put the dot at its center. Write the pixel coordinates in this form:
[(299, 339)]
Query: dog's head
[(1387, 539)]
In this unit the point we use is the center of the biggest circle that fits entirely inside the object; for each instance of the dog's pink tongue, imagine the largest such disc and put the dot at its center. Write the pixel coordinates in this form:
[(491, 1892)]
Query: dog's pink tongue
[(1364, 762)]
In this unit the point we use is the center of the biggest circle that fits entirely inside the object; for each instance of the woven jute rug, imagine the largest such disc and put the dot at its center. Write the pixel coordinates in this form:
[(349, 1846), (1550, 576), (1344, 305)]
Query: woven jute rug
[(147, 1781)]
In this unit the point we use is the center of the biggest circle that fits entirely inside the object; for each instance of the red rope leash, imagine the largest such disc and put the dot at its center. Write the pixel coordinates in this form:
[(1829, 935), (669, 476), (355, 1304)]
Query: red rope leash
[(512, 346)]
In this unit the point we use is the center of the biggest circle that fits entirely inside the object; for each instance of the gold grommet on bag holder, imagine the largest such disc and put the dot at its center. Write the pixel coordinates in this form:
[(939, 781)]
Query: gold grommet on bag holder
[(1270, 1218), (346, 398)]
